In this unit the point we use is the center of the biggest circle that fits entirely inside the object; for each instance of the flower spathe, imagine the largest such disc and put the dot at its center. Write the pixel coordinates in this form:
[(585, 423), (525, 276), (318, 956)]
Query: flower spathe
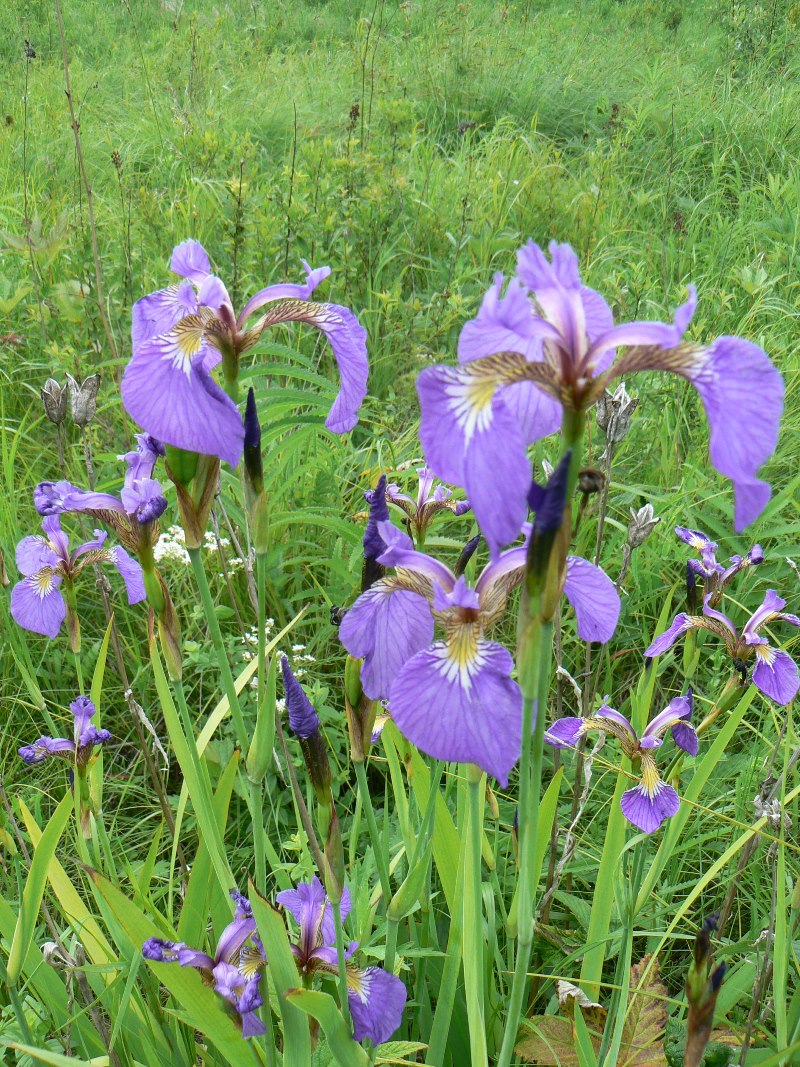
[(37, 602), (455, 698), (774, 673), (548, 345), (651, 801), (181, 333), (85, 736), (235, 968), (376, 998)]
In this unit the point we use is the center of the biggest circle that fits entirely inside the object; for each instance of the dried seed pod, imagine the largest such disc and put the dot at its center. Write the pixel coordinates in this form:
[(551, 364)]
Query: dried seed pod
[(641, 525), (83, 399), (54, 398), (614, 412)]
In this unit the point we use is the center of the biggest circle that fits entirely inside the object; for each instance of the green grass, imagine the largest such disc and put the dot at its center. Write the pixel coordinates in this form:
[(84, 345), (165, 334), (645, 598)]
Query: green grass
[(413, 147)]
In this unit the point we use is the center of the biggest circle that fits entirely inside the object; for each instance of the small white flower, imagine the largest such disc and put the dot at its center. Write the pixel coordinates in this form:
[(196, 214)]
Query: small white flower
[(298, 648)]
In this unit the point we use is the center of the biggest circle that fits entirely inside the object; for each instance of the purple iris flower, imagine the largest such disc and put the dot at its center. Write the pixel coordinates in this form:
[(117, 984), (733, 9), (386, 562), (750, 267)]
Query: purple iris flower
[(455, 699), (181, 333), (775, 672), (85, 736), (235, 968), (37, 603), (141, 497), (523, 362), (431, 499), (376, 997), (714, 575), (651, 802)]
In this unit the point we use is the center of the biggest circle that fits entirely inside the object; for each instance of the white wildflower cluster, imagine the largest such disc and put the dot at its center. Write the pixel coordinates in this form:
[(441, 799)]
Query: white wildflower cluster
[(171, 547), (212, 543), (250, 639), (297, 657)]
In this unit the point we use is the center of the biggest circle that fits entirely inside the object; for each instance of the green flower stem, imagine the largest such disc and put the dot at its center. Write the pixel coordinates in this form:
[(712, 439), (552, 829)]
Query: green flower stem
[(530, 782), (473, 922), (374, 833), (340, 956), (269, 720), (219, 647), (79, 672), (259, 832), (392, 929)]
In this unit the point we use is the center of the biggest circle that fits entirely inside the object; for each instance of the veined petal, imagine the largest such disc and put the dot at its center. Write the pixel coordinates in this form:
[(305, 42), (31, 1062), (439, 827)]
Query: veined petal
[(168, 390), (82, 710), (661, 334), (458, 702), (775, 674), (38, 605), (34, 553), (376, 999), (595, 599), (348, 339), (59, 541), (678, 708), (385, 627), (233, 938), (284, 291), (565, 732), (504, 324), (771, 610), (131, 571), (160, 311), (328, 928), (679, 625), (647, 808), (307, 904), (399, 552), (696, 539), (44, 747), (614, 722), (190, 260), (742, 394)]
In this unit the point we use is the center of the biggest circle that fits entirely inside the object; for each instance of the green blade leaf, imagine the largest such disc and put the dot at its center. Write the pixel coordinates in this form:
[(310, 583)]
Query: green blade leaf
[(322, 1007)]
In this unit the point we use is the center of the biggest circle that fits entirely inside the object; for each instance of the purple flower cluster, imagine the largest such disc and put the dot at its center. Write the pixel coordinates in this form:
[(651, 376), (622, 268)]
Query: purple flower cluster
[(183, 332), (235, 968), (376, 998), (77, 749), (547, 346), (651, 801)]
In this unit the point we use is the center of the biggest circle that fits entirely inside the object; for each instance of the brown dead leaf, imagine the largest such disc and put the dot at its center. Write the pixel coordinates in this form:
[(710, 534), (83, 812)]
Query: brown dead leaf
[(594, 1013), (646, 1018), (552, 1042)]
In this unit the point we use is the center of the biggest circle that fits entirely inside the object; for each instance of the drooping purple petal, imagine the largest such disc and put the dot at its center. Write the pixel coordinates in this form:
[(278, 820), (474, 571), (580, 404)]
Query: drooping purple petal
[(376, 999), (564, 732), (243, 994), (648, 809), (775, 674), (696, 539), (385, 627), (159, 312), (461, 706), (44, 747), (680, 624), (59, 541), (399, 552), (595, 599), (131, 571), (685, 736), (167, 389), (145, 500), (378, 513), (38, 605), (284, 291)]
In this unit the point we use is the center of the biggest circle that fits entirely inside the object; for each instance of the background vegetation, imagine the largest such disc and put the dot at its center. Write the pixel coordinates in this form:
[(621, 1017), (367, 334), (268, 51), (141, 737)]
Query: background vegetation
[(413, 147)]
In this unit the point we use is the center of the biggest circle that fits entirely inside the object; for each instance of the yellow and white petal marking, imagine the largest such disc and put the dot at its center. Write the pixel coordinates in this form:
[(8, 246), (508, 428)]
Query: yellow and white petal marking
[(359, 981), (651, 781), (461, 656), (470, 396), (765, 654), (183, 342), (250, 961), (43, 581)]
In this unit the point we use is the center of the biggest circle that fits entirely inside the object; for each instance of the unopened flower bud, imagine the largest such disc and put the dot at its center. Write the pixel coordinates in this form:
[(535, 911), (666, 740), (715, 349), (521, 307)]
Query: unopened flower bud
[(702, 986), (54, 398), (590, 481), (691, 589), (466, 555), (83, 399), (373, 542), (641, 525), (305, 724), (360, 711), (4, 579), (614, 413), (334, 859), (254, 478)]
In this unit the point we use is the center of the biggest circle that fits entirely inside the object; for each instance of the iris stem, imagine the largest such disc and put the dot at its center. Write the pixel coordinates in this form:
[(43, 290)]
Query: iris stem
[(261, 580), (340, 956), (228, 683), (473, 922), (374, 833), (79, 672), (392, 928), (257, 824)]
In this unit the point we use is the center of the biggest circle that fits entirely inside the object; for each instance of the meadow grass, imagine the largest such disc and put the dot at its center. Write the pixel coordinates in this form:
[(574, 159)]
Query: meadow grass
[(413, 147)]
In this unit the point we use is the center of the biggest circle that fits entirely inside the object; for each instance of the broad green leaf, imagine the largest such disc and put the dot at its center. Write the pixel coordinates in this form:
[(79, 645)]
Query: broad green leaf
[(282, 974), (398, 1052), (547, 813), (56, 1058), (322, 1007), (34, 887)]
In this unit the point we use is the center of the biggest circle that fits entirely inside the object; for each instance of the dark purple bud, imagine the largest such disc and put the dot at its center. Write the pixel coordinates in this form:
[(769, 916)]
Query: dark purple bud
[(303, 720), (467, 553), (717, 975), (691, 589), (548, 503), (253, 464), (372, 571)]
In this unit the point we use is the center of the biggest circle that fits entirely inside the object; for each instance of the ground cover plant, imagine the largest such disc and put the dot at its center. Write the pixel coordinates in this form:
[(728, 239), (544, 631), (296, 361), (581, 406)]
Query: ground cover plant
[(399, 426)]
